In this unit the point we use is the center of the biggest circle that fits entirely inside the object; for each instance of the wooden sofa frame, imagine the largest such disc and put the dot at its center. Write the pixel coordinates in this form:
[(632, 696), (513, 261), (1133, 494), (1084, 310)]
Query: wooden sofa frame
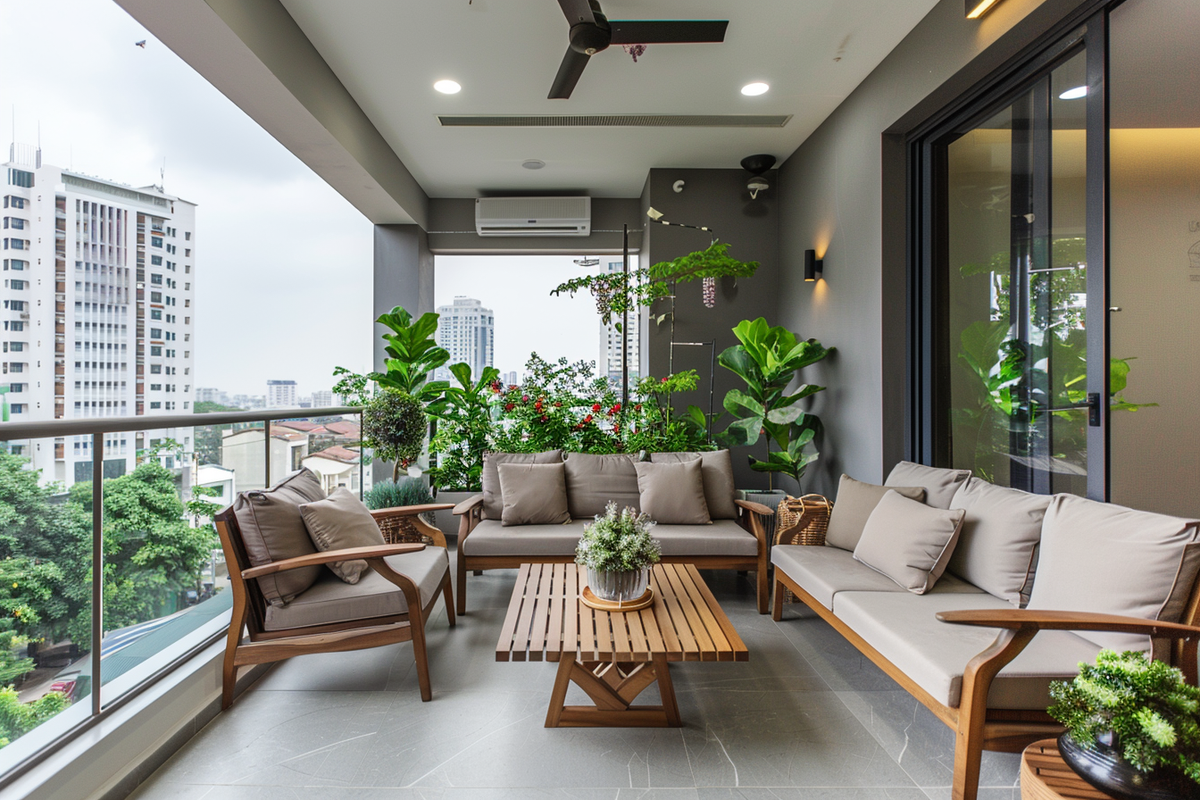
[(249, 606), (978, 727), (751, 515)]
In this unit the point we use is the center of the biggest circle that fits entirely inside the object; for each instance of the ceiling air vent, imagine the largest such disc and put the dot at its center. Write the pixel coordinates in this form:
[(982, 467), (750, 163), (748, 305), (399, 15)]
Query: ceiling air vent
[(533, 216), (616, 121)]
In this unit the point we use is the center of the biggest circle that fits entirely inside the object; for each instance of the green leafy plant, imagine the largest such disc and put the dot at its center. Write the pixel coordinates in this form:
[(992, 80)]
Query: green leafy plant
[(653, 425), (394, 494), (464, 429), (1146, 709), (18, 719), (618, 541), (412, 355), (394, 425), (767, 360)]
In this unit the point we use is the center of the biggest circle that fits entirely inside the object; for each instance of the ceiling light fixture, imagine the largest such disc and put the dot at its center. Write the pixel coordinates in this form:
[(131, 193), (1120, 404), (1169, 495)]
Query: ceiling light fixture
[(533, 163), (755, 89), (1074, 94), (977, 8), (756, 165), (447, 87)]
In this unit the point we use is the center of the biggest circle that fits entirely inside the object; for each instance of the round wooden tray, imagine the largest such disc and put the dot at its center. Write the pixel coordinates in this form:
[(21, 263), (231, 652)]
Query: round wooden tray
[(1044, 776), (591, 601)]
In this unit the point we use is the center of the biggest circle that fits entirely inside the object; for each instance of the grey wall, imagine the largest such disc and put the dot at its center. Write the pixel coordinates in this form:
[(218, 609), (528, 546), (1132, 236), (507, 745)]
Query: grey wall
[(716, 198), (403, 275), (843, 194), (452, 230)]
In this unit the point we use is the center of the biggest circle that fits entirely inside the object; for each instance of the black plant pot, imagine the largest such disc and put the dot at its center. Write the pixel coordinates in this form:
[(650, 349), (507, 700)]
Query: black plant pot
[(1104, 769)]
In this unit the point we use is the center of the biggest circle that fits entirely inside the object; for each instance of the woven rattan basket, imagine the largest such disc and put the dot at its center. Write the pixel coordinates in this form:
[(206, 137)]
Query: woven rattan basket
[(401, 530), (803, 520)]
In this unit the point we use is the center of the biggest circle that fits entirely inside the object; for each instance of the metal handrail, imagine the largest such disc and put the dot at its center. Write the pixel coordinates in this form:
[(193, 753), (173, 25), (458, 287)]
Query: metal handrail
[(81, 427)]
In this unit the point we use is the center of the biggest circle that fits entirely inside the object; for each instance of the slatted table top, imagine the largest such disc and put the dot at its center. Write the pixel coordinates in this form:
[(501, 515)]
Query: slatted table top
[(545, 620)]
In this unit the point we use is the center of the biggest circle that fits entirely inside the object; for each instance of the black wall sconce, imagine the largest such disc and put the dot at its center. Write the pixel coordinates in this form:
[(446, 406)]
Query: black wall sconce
[(813, 267), (977, 8)]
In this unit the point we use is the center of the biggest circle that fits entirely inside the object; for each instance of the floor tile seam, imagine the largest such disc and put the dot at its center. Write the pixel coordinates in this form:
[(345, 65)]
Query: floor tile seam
[(804, 658)]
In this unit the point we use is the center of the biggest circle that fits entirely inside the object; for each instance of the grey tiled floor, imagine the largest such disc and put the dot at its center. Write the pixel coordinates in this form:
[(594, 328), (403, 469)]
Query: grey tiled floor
[(806, 717)]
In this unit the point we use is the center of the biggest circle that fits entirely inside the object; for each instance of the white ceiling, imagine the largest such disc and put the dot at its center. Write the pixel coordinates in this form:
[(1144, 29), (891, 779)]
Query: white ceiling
[(505, 53)]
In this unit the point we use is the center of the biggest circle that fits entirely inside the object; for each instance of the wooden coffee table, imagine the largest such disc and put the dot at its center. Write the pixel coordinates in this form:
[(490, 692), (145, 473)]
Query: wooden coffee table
[(614, 656)]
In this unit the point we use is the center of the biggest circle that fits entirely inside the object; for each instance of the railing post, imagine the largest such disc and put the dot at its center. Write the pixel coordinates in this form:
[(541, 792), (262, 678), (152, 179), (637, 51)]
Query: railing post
[(97, 563), (362, 458), (267, 454)]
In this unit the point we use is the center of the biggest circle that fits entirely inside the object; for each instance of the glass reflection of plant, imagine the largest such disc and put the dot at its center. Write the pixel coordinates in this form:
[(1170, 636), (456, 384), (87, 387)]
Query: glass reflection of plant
[(1018, 382)]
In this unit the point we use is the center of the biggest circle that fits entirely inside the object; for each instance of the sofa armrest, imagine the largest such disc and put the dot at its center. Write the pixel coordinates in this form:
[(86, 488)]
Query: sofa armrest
[(330, 556), (1068, 621), (469, 513), (466, 506), (757, 508)]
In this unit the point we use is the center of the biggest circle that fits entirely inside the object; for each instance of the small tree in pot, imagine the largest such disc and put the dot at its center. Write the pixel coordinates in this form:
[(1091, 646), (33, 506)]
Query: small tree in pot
[(394, 426)]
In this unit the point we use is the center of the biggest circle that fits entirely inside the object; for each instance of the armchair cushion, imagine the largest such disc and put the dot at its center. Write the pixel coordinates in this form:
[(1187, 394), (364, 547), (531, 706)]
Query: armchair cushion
[(493, 494), (338, 522), (908, 541), (673, 494), (855, 502), (593, 481), (1113, 560), (939, 484), (716, 468), (272, 530), (533, 494), (330, 601)]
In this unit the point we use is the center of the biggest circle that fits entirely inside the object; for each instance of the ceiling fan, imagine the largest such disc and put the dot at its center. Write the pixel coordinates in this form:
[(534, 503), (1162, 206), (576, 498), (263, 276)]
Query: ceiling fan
[(592, 32)]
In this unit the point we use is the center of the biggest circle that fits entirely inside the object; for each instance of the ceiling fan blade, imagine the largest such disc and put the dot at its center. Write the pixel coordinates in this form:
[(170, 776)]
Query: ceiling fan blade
[(577, 11), (667, 31), (568, 75)]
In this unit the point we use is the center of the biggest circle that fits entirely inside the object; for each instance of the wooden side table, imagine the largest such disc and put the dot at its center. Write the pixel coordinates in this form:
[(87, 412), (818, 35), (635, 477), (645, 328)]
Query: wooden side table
[(1045, 776)]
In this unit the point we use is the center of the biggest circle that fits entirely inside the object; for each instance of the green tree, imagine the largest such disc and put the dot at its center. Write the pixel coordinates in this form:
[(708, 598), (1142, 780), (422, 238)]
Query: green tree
[(208, 437), (30, 524), (18, 719)]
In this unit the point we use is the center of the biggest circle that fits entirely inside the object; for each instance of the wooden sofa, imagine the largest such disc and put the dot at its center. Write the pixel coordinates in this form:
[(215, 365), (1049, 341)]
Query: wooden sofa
[(738, 543), (986, 676)]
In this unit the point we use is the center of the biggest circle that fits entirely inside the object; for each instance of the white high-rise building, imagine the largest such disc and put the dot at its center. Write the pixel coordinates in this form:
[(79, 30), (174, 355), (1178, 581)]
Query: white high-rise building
[(468, 331), (322, 398), (609, 363), (281, 394), (97, 308)]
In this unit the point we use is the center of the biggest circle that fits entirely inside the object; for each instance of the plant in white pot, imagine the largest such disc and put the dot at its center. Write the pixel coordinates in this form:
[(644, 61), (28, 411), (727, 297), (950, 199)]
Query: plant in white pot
[(618, 551)]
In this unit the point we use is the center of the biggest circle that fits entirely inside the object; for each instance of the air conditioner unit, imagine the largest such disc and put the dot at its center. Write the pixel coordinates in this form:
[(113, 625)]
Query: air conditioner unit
[(533, 216)]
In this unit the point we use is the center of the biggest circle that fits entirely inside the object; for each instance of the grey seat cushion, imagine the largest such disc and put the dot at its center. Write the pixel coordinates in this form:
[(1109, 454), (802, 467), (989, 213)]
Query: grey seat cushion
[(823, 572), (904, 629), (723, 537), (330, 600)]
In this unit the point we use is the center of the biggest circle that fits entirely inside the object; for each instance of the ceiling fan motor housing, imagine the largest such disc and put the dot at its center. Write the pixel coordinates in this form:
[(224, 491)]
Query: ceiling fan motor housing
[(591, 39)]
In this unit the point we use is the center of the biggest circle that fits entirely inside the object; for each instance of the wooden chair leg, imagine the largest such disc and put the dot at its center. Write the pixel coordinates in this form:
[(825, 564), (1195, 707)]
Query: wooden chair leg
[(461, 600), (229, 668), (420, 656), (448, 595), (777, 602)]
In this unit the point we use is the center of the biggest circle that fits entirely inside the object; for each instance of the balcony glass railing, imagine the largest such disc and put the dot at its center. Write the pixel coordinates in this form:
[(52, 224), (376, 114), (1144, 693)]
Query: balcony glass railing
[(111, 574)]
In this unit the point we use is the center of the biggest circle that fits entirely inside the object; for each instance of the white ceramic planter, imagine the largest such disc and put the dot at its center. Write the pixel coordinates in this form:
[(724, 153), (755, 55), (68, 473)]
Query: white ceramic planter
[(618, 586)]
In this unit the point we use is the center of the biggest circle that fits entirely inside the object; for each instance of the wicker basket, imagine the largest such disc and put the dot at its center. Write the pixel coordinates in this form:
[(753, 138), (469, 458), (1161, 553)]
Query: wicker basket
[(398, 529), (803, 520)]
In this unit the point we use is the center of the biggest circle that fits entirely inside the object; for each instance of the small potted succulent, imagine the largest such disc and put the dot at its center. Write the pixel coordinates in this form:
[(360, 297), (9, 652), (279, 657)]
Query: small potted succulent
[(618, 551), (1133, 727)]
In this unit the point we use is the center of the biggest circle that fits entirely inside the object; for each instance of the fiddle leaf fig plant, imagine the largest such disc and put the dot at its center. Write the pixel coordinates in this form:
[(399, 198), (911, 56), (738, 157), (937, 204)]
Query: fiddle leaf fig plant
[(412, 355)]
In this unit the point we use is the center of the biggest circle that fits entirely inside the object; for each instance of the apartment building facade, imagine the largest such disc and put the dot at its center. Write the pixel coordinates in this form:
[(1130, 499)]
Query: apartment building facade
[(611, 353), (468, 331)]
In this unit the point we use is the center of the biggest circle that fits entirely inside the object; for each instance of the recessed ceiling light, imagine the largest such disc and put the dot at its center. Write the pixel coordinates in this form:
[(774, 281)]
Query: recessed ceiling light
[(533, 163), (448, 87), (1074, 94), (755, 89)]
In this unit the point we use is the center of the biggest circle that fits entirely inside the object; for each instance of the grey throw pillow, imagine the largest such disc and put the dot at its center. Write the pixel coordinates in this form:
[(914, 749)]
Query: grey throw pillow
[(855, 502), (939, 484), (673, 494), (534, 494), (716, 468), (493, 499), (594, 481), (908, 541), (338, 522), (272, 530)]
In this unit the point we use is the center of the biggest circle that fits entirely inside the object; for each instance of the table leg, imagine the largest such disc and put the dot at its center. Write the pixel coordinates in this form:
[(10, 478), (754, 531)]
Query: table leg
[(561, 681), (612, 696), (667, 690)]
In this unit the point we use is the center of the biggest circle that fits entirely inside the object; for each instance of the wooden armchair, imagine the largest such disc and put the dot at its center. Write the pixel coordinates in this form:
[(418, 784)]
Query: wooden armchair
[(386, 613)]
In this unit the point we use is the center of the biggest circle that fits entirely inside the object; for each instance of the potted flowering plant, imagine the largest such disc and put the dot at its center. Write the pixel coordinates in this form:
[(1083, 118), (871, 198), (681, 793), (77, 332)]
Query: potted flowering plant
[(617, 550)]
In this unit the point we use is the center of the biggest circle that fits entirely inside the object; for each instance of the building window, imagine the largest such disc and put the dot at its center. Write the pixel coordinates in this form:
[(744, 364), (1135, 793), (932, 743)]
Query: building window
[(156, 279), (156, 297), (18, 284), (156, 369), (19, 177), (155, 350), (14, 201), (16, 223), (156, 333), (156, 241), (156, 405), (156, 260), (156, 387), (156, 313)]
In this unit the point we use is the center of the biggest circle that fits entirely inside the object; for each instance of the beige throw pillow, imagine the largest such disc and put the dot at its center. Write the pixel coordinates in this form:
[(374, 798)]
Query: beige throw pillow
[(855, 502), (272, 530), (534, 494), (908, 541), (594, 481), (493, 500), (939, 484), (716, 468), (1000, 532), (338, 522), (673, 494)]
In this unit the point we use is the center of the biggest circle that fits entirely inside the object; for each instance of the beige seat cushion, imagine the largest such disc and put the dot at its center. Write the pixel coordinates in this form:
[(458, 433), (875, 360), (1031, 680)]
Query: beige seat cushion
[(904, 628), (717, 470), (855, 502), (493, 496), (594, 481), (722, 538), (672, 493), (823, 572), (1113, 560), (999, 535), (908, 541), (272, 530), (338, 522), (330, 600), (533, 494), (939, 484)]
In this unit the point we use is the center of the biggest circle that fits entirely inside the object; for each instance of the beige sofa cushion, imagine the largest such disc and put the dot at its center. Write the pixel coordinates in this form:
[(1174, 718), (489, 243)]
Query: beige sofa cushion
[(908, 541), (904, 629), (823, 572), (533, 494), (855, 502), (1000, 531), (493, 498), (340, 521), (723, 537), (1113, 560), (594, 481), (717, 470), (272, 529), (939, 484), (672, 493), (332, 601)]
